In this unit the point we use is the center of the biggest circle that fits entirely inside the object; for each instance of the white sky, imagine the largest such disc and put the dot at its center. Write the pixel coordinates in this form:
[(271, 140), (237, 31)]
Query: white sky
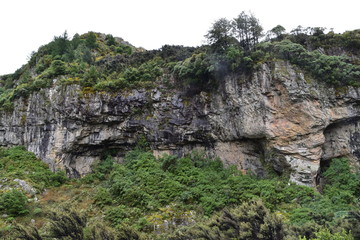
[(25, 25)]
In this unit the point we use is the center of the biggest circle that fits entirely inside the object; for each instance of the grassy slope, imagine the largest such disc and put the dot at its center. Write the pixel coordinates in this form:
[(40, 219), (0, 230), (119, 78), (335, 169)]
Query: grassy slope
[(144, 193)]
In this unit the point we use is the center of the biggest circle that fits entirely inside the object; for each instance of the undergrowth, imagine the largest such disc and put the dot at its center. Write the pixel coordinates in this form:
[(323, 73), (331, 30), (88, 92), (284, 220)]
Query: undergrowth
[(174, 198)]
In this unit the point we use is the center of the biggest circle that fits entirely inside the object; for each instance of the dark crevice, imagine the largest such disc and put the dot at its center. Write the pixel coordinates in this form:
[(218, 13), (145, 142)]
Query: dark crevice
[(342, 139)]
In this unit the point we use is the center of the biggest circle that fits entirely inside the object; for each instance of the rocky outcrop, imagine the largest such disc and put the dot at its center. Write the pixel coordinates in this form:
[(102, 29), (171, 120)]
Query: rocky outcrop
[(342, 139), (278, 118)]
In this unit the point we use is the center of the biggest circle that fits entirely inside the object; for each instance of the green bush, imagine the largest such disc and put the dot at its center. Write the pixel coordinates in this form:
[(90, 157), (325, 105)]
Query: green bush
[(77, 70), (148, 183), (22, 90), (57, 68), (99, 170), (148, 71), (40, 83), (340, 176), (143, 187), (19, 163), (110, 40), (334, 70), (112, 85), (117, 215), (14, 203), (204, 184), (102, 197), (340, 196), (196, 69), (90, 77), (44, 63), (6, 99), (123, 49)]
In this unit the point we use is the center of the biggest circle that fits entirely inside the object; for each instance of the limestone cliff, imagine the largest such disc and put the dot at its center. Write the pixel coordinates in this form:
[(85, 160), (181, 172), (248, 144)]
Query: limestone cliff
[(278, 118)]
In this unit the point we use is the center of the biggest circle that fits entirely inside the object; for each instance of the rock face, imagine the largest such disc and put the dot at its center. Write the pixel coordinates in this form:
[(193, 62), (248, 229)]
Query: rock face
[(277, 118)]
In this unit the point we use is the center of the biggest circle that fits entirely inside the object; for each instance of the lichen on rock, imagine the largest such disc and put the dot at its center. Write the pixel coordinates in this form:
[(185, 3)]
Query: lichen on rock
[(276, 118)]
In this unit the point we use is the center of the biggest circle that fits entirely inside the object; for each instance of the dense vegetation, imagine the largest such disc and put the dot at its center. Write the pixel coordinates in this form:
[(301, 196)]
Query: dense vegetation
[(174, 198), (20, 169), (99, 62)]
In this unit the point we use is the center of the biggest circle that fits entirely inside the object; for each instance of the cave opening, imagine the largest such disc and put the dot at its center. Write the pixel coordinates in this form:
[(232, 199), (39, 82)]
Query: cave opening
[(342, 139)]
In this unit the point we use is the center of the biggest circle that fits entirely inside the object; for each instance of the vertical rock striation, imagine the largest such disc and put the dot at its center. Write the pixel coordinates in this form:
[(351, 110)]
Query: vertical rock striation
[(277, 118)]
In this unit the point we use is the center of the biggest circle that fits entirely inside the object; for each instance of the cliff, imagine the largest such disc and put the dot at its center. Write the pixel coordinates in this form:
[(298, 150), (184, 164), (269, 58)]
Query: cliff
[(277, 118)]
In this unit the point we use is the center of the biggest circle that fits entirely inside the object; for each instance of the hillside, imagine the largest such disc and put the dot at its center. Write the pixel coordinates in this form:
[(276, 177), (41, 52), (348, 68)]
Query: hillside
[(240, 138)]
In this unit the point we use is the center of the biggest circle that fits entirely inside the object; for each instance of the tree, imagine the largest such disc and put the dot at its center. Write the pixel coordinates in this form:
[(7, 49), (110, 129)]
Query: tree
[(317, 31), (298, 30), (76, 40), (91, 40), (110, 40), (83, 54), (247, 30), (219, 36), (60, 45), (277, 31)]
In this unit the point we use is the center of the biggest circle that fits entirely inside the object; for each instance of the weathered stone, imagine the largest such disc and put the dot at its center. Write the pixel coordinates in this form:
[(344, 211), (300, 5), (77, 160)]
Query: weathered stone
[(25, 186), (276, 117), (342, 139)]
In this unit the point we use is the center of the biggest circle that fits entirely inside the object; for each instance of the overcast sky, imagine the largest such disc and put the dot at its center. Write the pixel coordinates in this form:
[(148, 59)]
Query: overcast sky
[(28, 24)]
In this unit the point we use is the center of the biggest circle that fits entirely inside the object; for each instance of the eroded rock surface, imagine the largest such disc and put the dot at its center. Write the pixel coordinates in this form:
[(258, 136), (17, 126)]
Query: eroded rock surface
[(275, 118)]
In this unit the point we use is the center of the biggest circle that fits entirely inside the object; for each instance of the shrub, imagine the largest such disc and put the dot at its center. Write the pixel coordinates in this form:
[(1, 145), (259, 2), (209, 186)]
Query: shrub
[(334, 70), (99, 170), (148, 183), (117, 215), (44, 62), (102, 197), (6, 100), (14, 203), (340, 176), (195, 69), (90, 77), (57, 68), (22, 90), (58, 178), (175, 53), (110, 40), (123, 49), (40, 83), (148, 71), (17, 162), (112, 85)]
